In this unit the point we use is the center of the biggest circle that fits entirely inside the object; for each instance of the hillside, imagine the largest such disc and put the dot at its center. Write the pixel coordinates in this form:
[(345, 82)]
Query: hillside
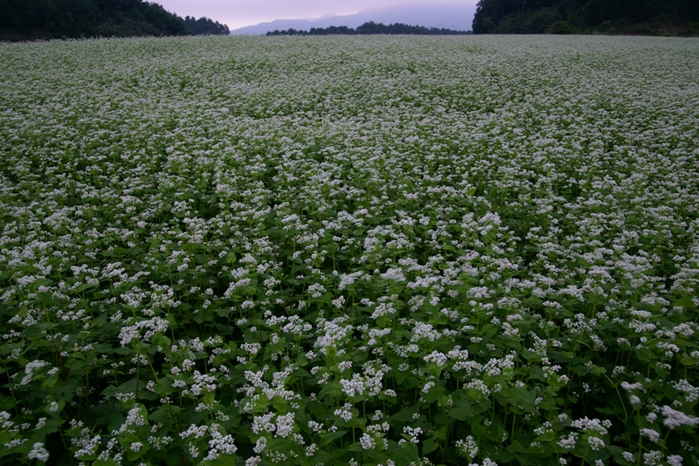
[(55, 19), (653, 17)]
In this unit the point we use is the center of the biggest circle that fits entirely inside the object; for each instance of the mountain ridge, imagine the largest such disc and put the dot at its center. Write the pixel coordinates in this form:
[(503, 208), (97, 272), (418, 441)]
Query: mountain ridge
[(448, 16)]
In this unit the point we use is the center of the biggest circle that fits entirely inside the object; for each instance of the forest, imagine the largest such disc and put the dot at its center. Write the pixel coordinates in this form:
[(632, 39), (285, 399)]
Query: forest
[(646, 17), (57, 19), (205, 25), (369, 28)]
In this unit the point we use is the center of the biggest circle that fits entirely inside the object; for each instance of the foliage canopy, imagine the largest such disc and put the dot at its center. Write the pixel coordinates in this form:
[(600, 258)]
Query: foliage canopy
[(205, 25), (577, 16), (52, 19)]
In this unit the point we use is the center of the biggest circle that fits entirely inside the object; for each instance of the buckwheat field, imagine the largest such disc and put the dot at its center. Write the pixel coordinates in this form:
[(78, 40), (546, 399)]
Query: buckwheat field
[(345, 251)]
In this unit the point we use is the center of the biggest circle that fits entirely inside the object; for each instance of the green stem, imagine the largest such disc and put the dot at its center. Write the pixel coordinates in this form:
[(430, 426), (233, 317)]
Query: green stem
[(138, 371), (640, 440), (626, 414)]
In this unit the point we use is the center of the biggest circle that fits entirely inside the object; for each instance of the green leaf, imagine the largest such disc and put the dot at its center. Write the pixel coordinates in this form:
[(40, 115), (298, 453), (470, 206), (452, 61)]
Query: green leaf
[(107, 462), (618, 454), (428, 446), (461, 413), (223, 460), (7, 403), (126, 387), (160, 414), (5, 437), (405, 414), (441, 433), (45, 298), (331, 389), (434, 394), (331, 436), (516, 447), (547, 437)]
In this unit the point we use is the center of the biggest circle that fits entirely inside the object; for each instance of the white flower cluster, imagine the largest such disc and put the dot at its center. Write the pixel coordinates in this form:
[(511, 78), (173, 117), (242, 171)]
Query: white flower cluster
[(86, 443), (345, 412), (593, 425), (246, 230), (153, 326), (134, 418), (674, 418), (468, 447), (29, 370), (219, 444), (38, 452)]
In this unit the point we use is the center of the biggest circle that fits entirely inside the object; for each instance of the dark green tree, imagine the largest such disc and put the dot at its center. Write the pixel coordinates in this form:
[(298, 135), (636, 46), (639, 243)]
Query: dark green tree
[(570, 16), (369, 28), (205, 25), (49, 19)]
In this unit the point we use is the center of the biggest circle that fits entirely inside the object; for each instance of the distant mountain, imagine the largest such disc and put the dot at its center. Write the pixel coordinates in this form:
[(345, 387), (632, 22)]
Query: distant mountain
[(371, 28), (457, 17)]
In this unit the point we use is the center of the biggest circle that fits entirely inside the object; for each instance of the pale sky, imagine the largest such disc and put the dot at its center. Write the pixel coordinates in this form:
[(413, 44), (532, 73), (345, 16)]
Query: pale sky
[(240, 13)]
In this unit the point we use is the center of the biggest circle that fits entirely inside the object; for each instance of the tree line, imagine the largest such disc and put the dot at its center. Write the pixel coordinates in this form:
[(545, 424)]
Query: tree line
[(51, 19), (677, 17), (369, 28), (205, 25)]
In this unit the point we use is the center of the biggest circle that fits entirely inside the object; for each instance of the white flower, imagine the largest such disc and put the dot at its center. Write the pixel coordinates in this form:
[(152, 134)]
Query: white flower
[(345, 413), (413, 433), (339, 302), (632, 386), (436, 357), (367, 442), (653, 435), (285, 425), (677, 418), (569, 441), (468, 446), (428, 386), (311, 450), (395, 274), (30, 368), (260, 445), (219, 444), (38, 452), (353, 387), (595, 443), (348, 279)]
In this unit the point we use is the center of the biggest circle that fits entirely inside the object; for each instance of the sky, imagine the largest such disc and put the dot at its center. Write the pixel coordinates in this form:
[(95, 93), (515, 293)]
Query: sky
[(239, 13)]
